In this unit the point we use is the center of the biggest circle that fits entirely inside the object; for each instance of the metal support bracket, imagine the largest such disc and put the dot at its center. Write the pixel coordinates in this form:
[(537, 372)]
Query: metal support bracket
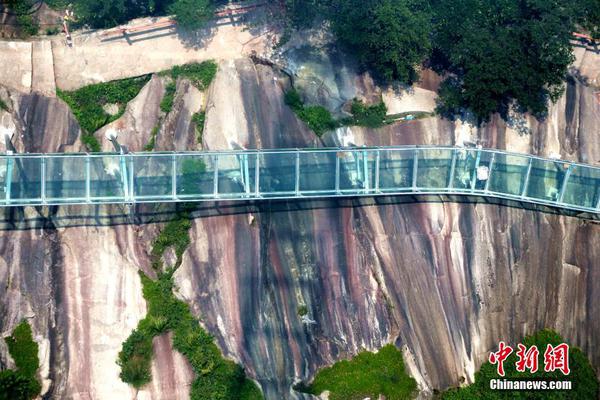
[(490, 169), (474, 178), (565, 181), (527, 175)]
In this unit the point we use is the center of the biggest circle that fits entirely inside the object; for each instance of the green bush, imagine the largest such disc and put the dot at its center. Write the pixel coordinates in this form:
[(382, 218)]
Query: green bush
[(302, 310), (15, 385), (152, 142), (372, 116), (135, 359), (200, 74), (166, 104), (22, 383), (23, 349), (191, 14), (318, 118), (3, 105), (366, 375), (87, 102), (582, 376)]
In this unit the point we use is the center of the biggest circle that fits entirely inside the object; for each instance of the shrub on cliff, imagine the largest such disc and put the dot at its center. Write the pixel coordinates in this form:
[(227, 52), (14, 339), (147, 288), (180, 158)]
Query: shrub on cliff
[(21, 384), (366, 375)]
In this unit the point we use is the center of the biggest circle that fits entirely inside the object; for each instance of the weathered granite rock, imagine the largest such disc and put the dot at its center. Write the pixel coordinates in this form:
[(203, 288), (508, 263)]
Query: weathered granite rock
[(445, 281)]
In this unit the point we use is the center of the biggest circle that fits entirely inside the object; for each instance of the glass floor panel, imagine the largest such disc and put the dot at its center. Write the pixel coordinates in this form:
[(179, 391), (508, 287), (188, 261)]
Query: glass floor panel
[(433, 168), (583, 187), (396, 169), (195, 176), (108, 177), (509, 174), (357, 170), (65, 178), (277, 173), (153, 176), (317, 171), (545, 179), (23, 179)]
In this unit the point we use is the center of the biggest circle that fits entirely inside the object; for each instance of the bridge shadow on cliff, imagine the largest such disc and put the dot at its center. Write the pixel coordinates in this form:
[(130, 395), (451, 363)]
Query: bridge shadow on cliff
[(52, 217)]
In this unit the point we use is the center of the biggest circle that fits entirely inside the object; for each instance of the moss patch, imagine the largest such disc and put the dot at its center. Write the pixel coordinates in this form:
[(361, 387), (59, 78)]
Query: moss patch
[(198, 120), (166, 104), (200, 74), (366, 375), (3, 105)]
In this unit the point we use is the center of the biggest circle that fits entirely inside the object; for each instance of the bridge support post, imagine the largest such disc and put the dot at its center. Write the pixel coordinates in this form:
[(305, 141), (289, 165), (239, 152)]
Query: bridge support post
[(43, 179), (173, 177), (415, 169), (490, 169), (377, 161), (474, 178), (297, 174), (565, 181), (452, 169), (88, 179), (527, 175), (216, 175), (257, 176), (337, 173), (365, 171)]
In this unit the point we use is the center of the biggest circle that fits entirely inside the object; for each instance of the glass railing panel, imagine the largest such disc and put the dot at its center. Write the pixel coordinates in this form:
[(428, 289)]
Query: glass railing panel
[(545, 179), (195, 176), (65, 178), (357, 170), (433, 168), (317, 171), (508, 174), (277, 173), (483, 170), (464, 168), (152, 178), (583, 187), (396, 170), (23, 179), (234, 174), (108, 177)]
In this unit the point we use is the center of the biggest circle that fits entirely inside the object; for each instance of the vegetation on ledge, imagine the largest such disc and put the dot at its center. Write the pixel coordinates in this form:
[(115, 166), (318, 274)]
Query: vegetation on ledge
[(320, 120), (582, 375), (366, 375), (22, 383), (200, 74), (216, 377), (88, 104)]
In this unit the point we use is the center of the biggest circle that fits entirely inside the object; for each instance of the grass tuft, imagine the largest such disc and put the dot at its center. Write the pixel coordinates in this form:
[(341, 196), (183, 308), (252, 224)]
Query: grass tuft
[(21, 384), (366, 375)]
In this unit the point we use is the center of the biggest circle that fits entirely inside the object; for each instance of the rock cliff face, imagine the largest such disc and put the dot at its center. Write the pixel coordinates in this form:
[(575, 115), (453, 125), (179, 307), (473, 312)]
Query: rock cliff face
[(445, 281)]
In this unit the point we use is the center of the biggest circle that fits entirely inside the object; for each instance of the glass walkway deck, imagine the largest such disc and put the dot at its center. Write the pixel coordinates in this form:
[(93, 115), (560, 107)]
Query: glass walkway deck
[(54, 179)]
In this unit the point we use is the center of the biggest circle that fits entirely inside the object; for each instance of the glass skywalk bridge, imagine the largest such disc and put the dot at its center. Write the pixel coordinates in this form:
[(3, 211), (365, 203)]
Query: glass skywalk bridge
[(54, 179)]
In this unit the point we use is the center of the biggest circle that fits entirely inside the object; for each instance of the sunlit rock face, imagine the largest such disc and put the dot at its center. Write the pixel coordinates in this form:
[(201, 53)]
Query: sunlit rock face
[(445, 281)]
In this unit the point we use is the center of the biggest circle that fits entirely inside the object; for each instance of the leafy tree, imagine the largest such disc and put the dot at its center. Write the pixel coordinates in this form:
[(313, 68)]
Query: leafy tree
[(191, 14), (582, 376), (499, 52), (15, 385), (389, 37)]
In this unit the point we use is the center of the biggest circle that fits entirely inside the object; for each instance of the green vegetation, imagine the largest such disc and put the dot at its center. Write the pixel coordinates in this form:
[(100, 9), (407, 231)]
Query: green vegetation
[(366, 375), (21, 384), (150, 145), (372, 116), (302, 310), (500, 52), (216, 378), (24, 11), (166, 104), (3, 105), (320, 120), (198, 119), (493, 53), (190, 14), (200, 74), (584, 386), (87, 104)]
